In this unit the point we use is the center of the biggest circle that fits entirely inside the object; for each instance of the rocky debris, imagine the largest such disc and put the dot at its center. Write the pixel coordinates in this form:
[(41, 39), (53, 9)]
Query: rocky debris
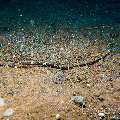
[(79, 100), (101, 115), (8, 112), (58, 117), (59, 77), (2, 102), (116, 116)]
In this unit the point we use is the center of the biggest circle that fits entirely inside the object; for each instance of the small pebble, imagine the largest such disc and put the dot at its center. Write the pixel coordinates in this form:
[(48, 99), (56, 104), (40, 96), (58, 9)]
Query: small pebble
[(15, 67), (88, 85), (102, 115), (58, 117), (8, 112), (2, 102), (59, 77), (61, 49), (78, 100), (21, 15)]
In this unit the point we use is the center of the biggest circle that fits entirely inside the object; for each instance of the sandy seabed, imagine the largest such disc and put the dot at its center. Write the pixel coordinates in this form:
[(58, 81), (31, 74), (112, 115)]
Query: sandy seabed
[(33, 94), (37, 93)]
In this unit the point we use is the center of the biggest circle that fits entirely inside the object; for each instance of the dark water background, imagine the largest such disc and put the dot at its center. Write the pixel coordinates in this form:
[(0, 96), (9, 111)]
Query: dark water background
[(74, 13)]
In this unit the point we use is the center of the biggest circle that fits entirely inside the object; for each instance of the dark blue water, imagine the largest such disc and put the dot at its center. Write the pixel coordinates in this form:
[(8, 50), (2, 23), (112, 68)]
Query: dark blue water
[(74, 13), (54, 14)]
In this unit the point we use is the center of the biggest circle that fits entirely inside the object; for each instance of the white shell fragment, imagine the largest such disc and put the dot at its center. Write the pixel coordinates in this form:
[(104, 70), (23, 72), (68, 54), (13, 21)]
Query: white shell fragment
[(101, 115), (2, 102), (58, 116), (8, 112), (88, 85)]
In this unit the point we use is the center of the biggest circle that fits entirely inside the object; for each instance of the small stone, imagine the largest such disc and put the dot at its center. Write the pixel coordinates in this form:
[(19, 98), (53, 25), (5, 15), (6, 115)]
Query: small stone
[(15, 67), (102, 115), (88, 85), (61, 49), (59, 77), (2, 102), (21, 15), (8, 112), (58, 117), (79, 100), (32, 62), (14, 56)]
